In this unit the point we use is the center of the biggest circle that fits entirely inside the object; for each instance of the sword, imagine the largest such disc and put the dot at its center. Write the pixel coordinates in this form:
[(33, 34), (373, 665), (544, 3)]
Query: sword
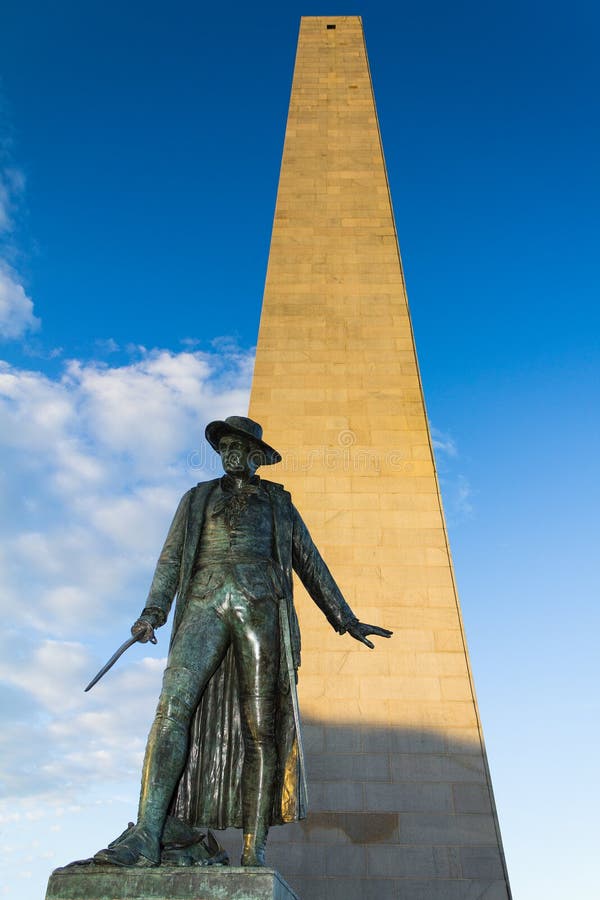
[(128, 643)]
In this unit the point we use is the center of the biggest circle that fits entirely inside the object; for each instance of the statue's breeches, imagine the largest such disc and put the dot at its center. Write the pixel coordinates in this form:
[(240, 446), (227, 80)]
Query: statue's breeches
[(210, 624)]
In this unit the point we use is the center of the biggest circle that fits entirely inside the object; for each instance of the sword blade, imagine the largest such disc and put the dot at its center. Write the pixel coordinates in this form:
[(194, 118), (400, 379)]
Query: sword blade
[(128, 643)]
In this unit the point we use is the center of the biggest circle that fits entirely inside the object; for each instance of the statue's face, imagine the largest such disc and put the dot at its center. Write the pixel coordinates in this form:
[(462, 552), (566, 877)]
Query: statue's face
[(239, 456)]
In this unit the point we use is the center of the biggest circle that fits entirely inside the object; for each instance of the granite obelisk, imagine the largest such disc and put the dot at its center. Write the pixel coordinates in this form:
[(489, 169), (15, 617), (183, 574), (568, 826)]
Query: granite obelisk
[(400, 793)]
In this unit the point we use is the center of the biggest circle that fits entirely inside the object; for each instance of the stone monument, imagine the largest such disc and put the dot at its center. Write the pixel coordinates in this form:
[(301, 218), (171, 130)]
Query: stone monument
[(401, 801)]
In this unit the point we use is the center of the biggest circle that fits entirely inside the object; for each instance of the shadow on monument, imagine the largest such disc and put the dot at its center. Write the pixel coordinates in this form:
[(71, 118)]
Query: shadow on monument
[(394, 812)]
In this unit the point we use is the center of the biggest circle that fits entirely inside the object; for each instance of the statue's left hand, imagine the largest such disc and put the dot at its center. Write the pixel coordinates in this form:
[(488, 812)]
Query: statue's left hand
[(359, 632)]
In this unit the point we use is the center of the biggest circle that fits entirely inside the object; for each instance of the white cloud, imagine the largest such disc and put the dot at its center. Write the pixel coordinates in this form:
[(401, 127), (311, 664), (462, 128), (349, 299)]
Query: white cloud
[(443, 443), (106, 345), (464, 496), (92, 464), (456, 489), (5, 221), (56, 738), (12, 185), (16, 308)]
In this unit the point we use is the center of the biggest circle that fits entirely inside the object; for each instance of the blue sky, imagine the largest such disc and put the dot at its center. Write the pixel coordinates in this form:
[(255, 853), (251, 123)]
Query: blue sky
[(140, 146)]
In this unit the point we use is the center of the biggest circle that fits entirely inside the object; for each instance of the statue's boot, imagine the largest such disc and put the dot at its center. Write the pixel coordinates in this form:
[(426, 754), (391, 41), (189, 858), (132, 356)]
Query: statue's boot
[(140, 848), (253, 853), (165, 757)]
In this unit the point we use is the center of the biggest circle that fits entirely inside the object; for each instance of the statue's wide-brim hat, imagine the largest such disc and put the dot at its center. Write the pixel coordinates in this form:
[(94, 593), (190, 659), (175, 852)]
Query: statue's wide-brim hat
[(241, 427)]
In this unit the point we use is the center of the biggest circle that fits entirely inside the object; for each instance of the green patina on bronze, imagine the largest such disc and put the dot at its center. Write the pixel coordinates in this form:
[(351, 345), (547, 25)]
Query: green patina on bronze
[(107, 883), (225, 748)]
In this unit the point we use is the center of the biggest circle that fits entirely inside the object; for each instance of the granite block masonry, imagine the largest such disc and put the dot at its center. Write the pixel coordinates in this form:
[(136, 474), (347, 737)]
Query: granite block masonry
[(400, 798)]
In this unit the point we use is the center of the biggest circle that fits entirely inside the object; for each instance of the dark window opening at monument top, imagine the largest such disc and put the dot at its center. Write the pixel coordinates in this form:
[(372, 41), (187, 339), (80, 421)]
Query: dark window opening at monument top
[(330, 27)]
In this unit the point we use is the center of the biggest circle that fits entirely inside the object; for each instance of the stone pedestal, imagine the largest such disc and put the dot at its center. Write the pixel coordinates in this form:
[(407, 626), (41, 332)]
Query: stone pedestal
[(172, 882)]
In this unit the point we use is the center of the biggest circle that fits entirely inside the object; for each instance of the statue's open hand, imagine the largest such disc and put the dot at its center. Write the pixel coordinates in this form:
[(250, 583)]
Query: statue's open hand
[(144, 631), (359, 632)]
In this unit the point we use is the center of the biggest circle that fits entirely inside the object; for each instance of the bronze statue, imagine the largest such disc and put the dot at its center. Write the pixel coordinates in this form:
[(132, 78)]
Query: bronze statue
[(225, 747)]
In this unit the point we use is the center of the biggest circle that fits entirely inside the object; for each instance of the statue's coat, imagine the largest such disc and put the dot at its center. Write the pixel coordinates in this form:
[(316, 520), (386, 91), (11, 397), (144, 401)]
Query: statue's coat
[(209, 791)]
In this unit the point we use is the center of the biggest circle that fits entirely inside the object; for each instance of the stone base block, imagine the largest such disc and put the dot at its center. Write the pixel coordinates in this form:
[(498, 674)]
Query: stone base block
[(173, 882)]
